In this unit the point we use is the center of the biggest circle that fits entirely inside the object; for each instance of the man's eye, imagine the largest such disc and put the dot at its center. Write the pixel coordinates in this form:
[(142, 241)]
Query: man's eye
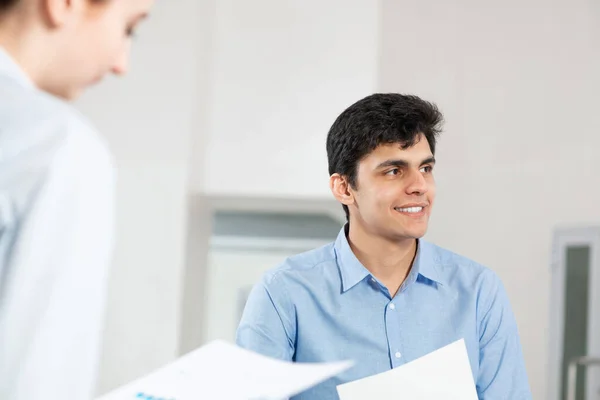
[(394, 171), (427, 169)]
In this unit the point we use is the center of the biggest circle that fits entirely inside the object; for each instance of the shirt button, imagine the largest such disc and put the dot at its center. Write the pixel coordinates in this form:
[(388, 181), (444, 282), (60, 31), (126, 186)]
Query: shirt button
[(398, 355), (392, 306)]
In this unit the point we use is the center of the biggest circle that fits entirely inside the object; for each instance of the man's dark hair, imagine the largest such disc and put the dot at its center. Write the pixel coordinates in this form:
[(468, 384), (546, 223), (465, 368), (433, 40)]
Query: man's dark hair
[(6, 4), (381, 118)]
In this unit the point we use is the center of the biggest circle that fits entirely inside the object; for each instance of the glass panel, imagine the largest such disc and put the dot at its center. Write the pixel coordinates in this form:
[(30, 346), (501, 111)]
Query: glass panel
[(275, 225), (576, 314)]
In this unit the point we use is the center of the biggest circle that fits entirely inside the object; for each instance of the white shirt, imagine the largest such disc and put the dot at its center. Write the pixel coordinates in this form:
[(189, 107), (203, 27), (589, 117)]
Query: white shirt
[(56, 234)]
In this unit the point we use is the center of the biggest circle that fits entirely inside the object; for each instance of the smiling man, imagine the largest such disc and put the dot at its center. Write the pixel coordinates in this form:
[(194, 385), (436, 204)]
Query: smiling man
[(379, 294)]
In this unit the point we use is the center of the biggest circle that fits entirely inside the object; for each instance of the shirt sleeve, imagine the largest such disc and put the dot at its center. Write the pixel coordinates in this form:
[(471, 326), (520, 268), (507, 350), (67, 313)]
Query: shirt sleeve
[(54, 298), (502, 373), (267, 325)]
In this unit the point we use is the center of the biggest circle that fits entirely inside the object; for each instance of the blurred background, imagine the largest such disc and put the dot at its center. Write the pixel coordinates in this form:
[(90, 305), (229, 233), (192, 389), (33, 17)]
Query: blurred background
[(219, 137)]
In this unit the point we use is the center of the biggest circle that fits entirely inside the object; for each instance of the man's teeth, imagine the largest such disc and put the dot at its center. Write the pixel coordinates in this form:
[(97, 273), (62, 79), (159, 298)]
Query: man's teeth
[(410, 209)]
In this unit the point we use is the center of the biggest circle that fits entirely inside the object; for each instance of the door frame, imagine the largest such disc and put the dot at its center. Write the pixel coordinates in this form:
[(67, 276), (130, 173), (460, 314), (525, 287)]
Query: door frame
[(564, 238)]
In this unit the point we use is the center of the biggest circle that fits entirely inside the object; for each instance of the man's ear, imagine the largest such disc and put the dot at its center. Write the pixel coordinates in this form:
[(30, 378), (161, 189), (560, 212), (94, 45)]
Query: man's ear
[(58, 12), (341, 190)]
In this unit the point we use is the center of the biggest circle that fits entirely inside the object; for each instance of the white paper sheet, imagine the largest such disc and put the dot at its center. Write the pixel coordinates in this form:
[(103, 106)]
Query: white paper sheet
[(443, 374), (220, 370)]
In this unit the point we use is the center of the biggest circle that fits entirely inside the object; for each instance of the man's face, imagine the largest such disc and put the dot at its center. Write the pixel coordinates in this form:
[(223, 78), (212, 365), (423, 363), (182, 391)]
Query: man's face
[(395, 191)]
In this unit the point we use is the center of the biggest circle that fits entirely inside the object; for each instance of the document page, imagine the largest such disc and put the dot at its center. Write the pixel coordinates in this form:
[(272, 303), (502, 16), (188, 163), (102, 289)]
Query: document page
[(220, 370), (443, 374)]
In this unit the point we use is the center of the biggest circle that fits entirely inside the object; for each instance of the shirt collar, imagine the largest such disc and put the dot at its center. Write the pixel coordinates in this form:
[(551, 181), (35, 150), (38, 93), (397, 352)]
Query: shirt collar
[(352, 271), (9, 67), (427, 261)]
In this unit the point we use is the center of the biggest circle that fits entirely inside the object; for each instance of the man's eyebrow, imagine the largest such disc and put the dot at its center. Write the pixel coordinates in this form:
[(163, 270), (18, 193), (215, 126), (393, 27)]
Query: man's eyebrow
[(403, 163), (429, 160), (392, 163)]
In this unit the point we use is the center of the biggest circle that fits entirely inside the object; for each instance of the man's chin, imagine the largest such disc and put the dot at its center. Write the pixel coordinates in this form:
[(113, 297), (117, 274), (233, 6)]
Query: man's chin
[(403, 236), (415, 233)]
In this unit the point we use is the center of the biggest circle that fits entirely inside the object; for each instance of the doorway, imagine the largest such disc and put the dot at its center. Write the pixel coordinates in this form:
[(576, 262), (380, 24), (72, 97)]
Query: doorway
[(575, 312)]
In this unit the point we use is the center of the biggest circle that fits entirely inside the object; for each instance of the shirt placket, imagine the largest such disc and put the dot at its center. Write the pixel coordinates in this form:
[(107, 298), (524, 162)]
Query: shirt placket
[(394, 332)]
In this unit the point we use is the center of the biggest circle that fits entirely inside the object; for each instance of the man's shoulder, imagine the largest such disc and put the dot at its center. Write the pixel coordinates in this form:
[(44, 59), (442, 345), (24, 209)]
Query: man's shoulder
[(305, 264), (458, 268)]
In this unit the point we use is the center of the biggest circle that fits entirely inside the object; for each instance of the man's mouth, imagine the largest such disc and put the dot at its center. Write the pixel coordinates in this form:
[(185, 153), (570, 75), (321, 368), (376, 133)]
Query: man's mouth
[(410, 210)]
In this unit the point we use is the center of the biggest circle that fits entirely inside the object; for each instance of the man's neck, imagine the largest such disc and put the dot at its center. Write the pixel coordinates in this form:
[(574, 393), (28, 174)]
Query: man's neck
[(389, 261)]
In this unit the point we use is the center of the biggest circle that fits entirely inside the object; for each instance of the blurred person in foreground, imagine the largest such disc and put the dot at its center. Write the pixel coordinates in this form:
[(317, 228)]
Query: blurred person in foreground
[(56, 191), (380, 294)]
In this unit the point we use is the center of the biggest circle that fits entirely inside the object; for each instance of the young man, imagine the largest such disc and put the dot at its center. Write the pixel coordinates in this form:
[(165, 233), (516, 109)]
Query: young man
[(56, 191), (379, 294)]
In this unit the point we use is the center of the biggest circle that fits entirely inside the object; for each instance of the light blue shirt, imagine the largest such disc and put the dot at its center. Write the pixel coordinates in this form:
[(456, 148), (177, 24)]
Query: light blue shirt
[(56, 237), (324, 305)]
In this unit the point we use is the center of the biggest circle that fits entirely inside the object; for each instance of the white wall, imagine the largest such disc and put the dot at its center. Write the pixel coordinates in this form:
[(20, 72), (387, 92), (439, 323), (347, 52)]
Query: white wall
[(148, 118), (518, 81), (283, 70)]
